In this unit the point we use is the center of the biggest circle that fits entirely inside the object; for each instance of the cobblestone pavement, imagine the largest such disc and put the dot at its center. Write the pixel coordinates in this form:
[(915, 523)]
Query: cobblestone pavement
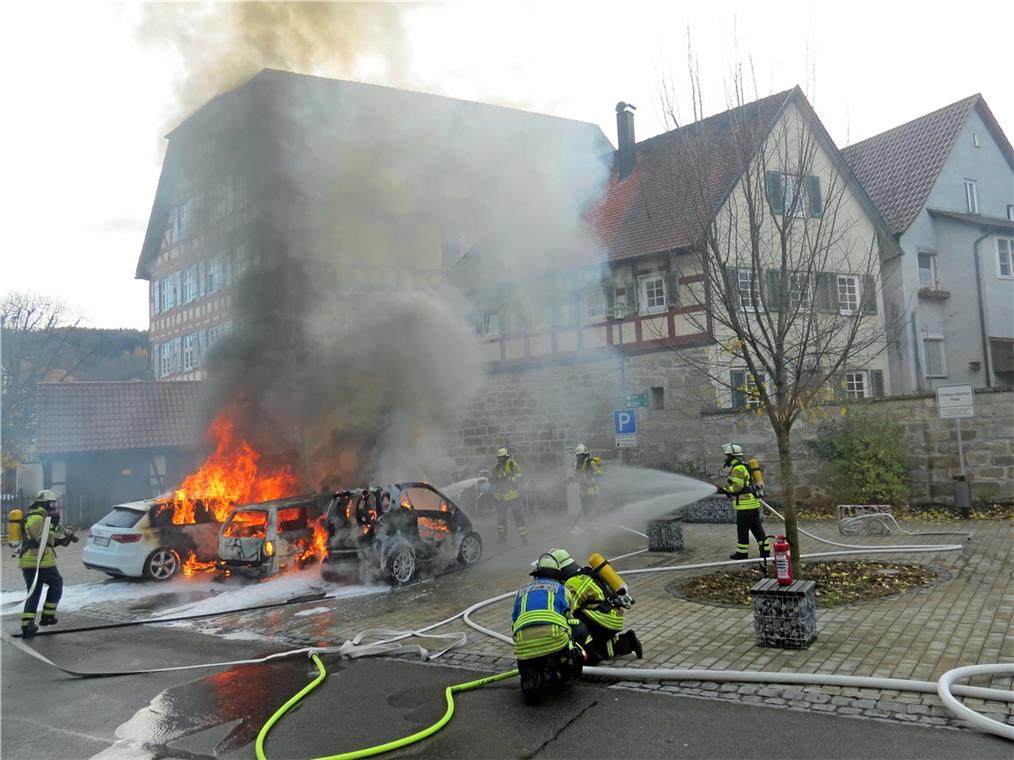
[(963, 619)]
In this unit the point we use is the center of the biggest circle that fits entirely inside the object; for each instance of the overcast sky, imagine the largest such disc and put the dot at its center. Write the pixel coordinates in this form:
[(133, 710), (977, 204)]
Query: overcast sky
[(86, 101)]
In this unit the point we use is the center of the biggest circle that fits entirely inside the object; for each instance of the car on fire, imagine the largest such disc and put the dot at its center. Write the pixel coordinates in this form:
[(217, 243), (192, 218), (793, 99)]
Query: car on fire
[(139, 540), (263, 539), (397, 532)]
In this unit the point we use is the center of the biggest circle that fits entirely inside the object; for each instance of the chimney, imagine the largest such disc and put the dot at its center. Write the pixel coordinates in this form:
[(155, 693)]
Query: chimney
[(625, 138)]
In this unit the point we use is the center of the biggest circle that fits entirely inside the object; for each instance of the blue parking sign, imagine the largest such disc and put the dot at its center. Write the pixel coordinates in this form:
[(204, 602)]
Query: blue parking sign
[(624, 421)]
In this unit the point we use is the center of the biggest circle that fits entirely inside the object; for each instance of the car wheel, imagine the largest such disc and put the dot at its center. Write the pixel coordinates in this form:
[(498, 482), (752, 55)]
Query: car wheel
[(401, 565), (161, 565), (470, 550)]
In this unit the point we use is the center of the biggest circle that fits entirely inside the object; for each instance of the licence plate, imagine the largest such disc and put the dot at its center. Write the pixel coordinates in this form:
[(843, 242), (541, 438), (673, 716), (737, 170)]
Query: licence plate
[(100, 540)]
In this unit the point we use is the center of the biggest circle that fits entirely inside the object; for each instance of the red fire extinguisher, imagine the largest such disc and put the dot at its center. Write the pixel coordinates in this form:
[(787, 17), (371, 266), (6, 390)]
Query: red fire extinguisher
[(783, 561)]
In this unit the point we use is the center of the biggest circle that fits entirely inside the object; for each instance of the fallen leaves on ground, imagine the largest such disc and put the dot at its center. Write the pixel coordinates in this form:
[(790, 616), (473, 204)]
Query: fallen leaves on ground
[(837, 582), (929, 513)]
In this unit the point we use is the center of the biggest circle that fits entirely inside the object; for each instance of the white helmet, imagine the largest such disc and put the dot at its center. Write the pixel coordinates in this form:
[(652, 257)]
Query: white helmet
[(47, 495), (581, 450), (502, 452), (732, 449)]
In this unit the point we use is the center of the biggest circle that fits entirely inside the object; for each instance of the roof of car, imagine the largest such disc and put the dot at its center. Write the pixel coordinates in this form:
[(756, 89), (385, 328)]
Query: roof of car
[(288, 501)]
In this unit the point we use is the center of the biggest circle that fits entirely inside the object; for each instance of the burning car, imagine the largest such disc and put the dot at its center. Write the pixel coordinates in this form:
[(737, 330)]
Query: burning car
[(397, 531), (271, 537), (139, 539)]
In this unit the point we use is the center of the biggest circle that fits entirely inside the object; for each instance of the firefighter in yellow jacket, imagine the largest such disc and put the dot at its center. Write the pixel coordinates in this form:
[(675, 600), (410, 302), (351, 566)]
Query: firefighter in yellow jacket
[(506, 484), (600, 609), (587, 471), (740, 489), (38, 537)]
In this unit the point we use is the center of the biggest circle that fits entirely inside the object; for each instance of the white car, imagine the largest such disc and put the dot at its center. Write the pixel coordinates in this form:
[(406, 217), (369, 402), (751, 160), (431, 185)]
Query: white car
[(138, 539)]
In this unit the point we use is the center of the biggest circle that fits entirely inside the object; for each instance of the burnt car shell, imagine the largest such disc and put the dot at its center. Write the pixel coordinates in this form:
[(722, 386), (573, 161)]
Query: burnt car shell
[(421, 530), (270, 537)]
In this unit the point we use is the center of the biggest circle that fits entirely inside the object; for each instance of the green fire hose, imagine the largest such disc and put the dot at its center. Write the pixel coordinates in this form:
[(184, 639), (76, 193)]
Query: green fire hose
[(380, 748)]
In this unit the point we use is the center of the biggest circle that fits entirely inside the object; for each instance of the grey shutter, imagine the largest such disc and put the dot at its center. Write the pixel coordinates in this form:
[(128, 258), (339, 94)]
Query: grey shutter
[(672, 280), (202, 274), (877, 383), (775, 197), (774, 299), (737, 379), (632, 296), (827, 295), (156, 292), (610, 299), (732, 287), (178, 288), (154, 360), (226, 270), (816, 201), (869, 295), (177, 353)]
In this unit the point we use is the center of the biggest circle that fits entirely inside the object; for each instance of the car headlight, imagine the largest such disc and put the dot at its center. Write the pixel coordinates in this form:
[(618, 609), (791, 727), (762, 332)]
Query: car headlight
[(269, 549)]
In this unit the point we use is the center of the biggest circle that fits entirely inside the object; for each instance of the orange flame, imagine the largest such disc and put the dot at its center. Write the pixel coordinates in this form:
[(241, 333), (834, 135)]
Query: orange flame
[(191, 566), (230, 476), (317, 547)]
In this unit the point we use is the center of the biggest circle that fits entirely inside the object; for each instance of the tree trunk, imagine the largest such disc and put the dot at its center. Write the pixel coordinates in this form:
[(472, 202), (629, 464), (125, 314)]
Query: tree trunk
[(788, 495)]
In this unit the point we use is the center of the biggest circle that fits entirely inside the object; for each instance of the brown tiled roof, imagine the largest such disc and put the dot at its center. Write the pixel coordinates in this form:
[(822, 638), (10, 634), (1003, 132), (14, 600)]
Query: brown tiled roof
[(681, 179), (111, 416), (899, 167)]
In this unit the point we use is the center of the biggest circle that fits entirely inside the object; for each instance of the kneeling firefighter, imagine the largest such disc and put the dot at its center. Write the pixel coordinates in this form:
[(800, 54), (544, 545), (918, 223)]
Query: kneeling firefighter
[(542, 625), (600, 598), (744, 486)]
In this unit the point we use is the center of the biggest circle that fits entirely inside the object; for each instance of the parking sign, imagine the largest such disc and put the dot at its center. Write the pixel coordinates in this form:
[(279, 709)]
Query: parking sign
[(624, 421)]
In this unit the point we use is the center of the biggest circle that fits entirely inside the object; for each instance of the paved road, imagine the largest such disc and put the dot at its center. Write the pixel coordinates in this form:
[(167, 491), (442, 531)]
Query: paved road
[(218, 713)]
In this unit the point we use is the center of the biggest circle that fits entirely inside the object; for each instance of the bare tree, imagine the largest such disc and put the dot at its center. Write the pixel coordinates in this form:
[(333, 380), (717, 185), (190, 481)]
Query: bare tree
[(34, 330), (788, 256)]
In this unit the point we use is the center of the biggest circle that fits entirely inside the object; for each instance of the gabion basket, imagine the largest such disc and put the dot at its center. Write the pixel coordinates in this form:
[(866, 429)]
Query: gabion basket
[(665, 535), (863, 519), (711, 509), (784, 616)]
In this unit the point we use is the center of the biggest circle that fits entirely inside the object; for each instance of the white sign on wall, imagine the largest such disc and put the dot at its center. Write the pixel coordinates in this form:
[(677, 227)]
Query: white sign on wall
[(955, 401)]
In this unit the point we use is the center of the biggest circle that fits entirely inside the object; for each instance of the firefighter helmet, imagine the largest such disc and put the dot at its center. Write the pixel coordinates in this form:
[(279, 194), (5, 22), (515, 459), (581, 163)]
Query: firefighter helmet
[(502, 452), (46, 495), (732, 449), (555, 559), (581, 450)]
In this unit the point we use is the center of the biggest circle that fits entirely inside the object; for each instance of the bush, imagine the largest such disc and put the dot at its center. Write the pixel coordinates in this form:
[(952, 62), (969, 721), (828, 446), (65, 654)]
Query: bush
[(863, 458)]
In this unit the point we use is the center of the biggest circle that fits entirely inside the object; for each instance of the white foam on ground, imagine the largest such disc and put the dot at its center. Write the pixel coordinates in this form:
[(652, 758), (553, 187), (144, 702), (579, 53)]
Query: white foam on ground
[(80, 595), (313, 611)]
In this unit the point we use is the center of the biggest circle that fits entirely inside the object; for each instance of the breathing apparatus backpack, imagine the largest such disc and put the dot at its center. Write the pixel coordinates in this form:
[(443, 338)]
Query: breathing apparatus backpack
[(613, 586), (756, 477)]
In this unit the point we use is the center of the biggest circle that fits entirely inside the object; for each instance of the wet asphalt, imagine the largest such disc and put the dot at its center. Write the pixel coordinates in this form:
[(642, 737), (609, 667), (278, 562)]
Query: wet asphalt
[(217, 713)]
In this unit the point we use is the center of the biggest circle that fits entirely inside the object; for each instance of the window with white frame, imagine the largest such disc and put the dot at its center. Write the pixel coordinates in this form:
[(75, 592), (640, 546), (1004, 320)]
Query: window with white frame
[(652, 295), (1010, 211), (190, 284), (168, 293), (749, 289), (191, 352), (169, 357), (1005, 258), (800, 291), (933, 354), (928, 271), (792, 197), (487, 323), (593, 304), (848, 294), (857, 385), (972, 196), (745, 389), (214, 276)]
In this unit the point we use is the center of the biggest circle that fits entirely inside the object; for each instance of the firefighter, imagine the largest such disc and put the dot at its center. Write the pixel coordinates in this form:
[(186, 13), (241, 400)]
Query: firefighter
[(600, 610), (542, 621), (587, 471), (32, 541), (506, 479), (740, 489)]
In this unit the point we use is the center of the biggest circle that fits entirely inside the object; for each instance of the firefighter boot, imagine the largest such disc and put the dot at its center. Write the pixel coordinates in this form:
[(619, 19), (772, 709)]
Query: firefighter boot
[(28, 630), (47, 620), (739, 555), (628, 643)]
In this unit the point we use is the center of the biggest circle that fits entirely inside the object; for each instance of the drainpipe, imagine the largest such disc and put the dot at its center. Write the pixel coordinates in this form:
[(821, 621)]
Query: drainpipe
[(982, 310)]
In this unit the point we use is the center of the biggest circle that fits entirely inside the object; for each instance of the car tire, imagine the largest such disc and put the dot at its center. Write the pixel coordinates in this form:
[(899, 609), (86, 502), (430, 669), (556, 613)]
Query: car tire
[(401, 565), (162, 565), (470, 550)]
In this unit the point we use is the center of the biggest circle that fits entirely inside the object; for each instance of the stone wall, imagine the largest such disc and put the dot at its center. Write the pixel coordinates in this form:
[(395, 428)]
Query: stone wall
[(539, 412)]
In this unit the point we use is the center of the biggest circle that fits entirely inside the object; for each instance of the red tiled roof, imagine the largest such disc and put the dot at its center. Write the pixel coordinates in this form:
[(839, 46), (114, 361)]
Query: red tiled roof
[(899, 167), (681, 179), (111, 416)]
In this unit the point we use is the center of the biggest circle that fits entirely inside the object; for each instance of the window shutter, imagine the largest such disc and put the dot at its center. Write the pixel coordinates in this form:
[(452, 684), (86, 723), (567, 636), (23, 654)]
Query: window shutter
[(816, 201), (774, 299), (672, 281), (775, 197), (869, 294), (877, 383), (201, 279), (226, 270), (827, 297), (737, 379), (732, 286), (178, 288), (632, 296), (610, 299), (156, 295), (154, 361)]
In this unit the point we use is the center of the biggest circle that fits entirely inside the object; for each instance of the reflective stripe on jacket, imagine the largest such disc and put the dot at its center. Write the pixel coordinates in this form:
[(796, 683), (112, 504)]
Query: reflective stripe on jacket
[(590, 599), (504, 479), (33, 538), (540, 619), (740, 487), (589, 470)]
